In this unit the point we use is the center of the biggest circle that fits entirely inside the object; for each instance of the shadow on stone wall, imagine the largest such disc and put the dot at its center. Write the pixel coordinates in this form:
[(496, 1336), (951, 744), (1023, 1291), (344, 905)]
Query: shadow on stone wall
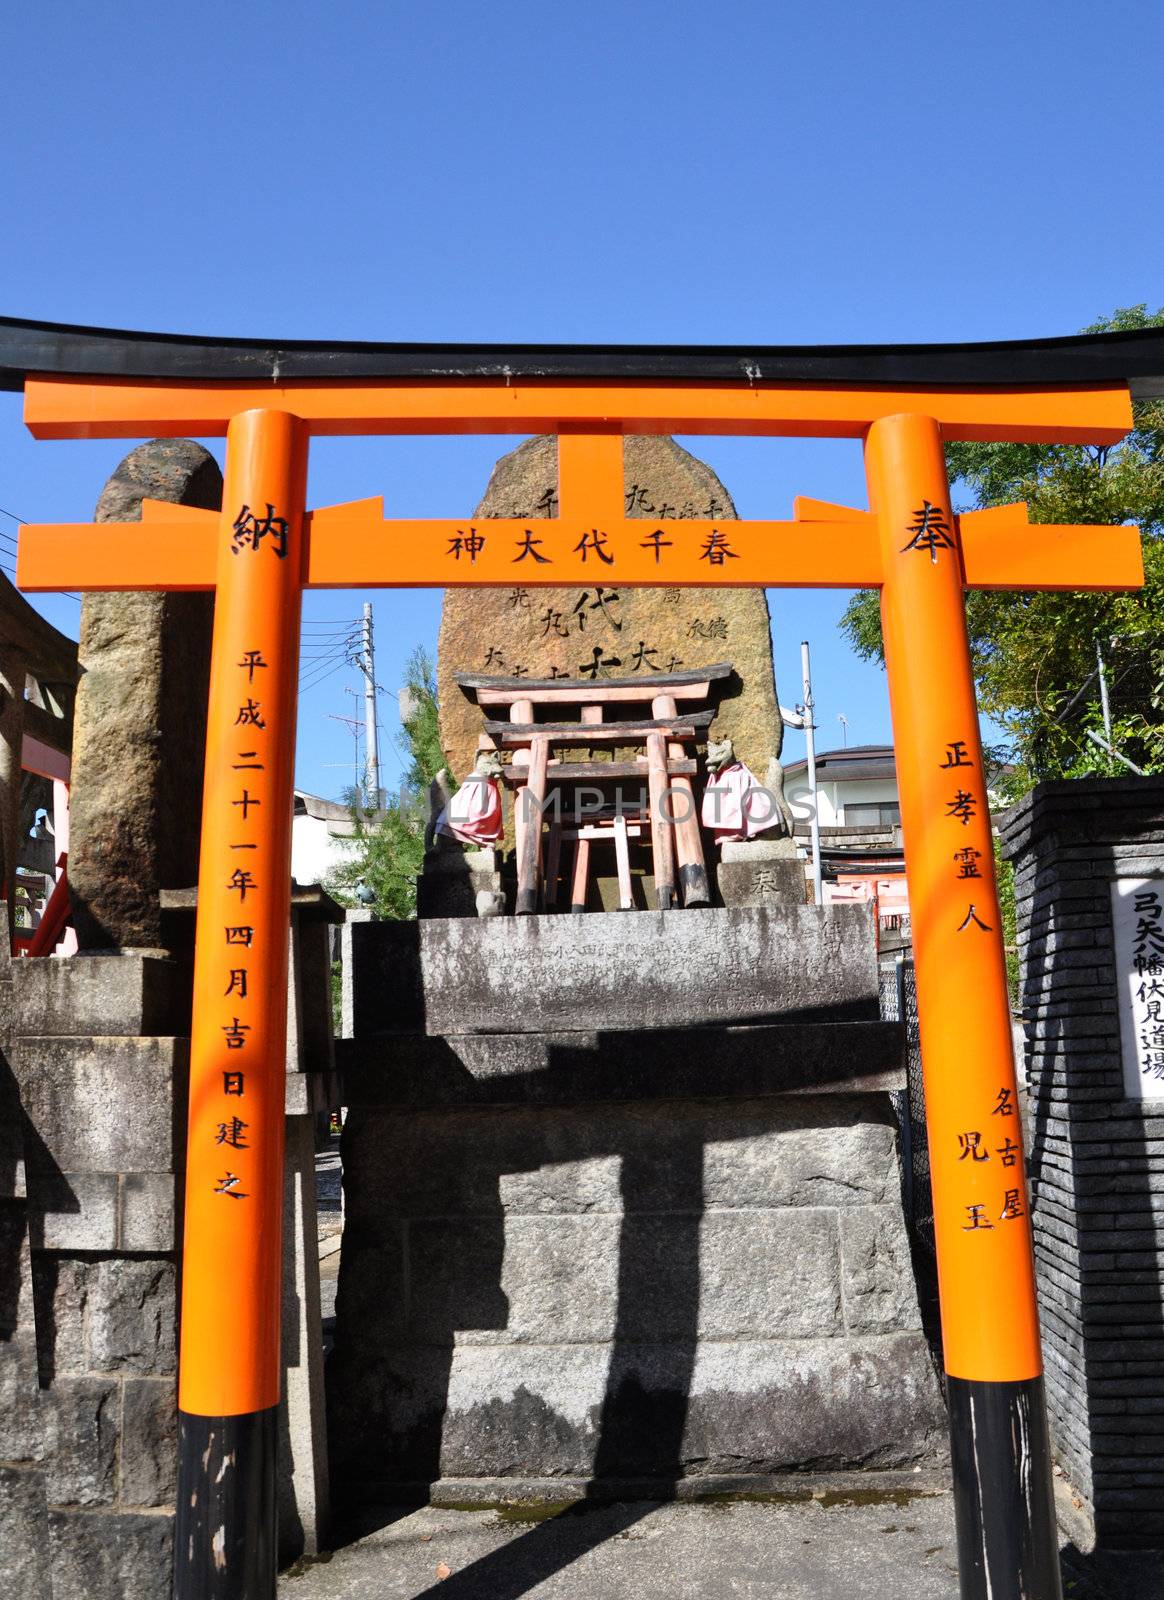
[(641, 1430), (12, 1123), (641, 1426), (437, 1195), (27, 1163)]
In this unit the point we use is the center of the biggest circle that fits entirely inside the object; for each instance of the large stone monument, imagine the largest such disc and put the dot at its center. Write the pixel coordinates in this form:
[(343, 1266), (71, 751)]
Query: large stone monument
[(612, 635), (141, 722), (604, 630)]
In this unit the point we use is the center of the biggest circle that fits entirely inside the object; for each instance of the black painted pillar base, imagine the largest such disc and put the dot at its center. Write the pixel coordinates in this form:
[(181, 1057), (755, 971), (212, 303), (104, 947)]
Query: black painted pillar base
[(225, 1529), (693, 882), (1004, 1503)]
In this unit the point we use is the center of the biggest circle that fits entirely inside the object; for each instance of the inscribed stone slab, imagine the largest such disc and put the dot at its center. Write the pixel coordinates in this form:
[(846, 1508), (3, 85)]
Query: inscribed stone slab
[(607, 630)]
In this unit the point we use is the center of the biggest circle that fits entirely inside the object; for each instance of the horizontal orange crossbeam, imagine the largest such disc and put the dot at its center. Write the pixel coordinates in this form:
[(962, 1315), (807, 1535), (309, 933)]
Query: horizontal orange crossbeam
[(352, 546), (1003, 551), (108, 556), (70, 408), (379, 554), (572, 550)]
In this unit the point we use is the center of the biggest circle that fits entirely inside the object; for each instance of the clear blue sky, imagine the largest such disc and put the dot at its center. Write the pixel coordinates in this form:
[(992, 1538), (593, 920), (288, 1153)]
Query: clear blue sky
[(677, 171)]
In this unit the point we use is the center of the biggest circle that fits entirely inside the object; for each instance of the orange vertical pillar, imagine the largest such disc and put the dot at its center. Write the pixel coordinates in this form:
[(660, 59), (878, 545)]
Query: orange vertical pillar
[(990, 1332), (229, 1366)]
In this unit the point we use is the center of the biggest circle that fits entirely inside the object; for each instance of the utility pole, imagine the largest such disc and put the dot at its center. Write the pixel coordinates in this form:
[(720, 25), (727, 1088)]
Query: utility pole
[(366, 661), (810, 751)]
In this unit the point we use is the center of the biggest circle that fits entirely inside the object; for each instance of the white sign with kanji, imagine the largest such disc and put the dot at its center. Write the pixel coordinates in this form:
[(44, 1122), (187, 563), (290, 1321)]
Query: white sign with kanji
[(1137, 912)]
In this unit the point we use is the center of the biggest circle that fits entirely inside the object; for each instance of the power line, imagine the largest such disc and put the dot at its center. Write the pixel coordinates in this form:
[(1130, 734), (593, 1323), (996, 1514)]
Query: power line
[(322, 677), (317, 658), (306, 685), (313, 669), (345, 641), (334, 647)]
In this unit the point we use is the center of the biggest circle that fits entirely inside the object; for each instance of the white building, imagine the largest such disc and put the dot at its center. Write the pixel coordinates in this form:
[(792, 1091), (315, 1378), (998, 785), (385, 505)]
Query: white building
[(317, 828), (856, 788), (860, 832), (860, 829)]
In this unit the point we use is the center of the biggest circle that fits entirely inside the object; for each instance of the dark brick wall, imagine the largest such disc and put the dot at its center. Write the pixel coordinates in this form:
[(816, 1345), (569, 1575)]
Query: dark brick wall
[(1097, 1157)]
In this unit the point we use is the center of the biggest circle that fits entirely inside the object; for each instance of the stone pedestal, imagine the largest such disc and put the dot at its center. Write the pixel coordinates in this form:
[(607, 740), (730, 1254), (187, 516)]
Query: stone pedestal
[(639, 969), (760, 872), (626, 1259), (627, 1256), (1096, 1153), (761, 882), (452, 879)]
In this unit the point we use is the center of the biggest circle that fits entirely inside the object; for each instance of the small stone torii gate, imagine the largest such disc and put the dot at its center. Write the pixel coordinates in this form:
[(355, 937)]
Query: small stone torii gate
[(266, 547)]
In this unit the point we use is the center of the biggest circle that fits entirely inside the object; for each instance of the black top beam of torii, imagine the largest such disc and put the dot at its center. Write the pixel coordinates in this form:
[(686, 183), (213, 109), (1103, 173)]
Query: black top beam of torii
[(56, 349)]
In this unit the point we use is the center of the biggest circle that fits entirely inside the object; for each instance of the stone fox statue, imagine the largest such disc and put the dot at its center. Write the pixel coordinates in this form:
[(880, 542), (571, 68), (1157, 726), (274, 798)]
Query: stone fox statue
[(719, 754), (440, 830), (729, 809)]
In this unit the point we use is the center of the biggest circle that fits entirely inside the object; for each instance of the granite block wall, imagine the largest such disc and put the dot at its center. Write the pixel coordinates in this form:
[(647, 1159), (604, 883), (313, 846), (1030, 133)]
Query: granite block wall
[(577, 1257), (89, 1278), (93, 1095)]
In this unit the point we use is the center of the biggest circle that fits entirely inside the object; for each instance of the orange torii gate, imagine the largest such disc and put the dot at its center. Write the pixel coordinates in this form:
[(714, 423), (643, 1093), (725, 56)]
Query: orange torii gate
[(265, 547)]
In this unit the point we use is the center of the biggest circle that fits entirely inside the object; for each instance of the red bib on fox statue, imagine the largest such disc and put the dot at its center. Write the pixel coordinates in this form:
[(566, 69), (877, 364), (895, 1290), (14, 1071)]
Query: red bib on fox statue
[(736, 805), (473, 815)]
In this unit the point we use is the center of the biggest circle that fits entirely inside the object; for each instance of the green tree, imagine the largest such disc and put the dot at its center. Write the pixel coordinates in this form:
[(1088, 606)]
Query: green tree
[(1034, 654), (387, 848)]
